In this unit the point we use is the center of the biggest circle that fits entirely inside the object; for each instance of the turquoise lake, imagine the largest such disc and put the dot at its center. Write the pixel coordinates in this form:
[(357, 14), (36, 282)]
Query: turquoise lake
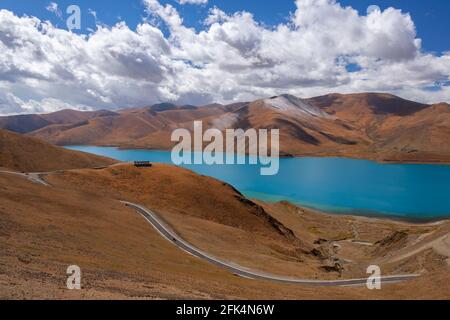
[(335, 185)]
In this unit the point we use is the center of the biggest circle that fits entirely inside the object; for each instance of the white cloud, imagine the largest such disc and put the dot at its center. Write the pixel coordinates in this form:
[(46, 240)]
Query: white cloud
[(93, 13), (192, 1), (215, 15), (53, 7), (234, 58), (373, 8)]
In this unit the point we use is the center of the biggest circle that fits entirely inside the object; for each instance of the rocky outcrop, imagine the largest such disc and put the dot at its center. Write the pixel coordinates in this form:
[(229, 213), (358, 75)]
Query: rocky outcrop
[(260, 212), (394, 241)]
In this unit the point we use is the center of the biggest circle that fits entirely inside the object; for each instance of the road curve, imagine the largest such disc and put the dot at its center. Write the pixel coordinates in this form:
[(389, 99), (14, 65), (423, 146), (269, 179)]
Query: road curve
[(33, 177), (170, 235)]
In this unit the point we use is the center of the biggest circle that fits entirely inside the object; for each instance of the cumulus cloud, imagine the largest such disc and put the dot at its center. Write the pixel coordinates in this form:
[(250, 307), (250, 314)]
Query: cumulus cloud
[(234, 58)]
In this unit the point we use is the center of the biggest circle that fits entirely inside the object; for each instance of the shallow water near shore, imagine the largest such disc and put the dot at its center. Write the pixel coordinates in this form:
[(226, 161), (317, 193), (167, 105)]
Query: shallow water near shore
[(336, 185)]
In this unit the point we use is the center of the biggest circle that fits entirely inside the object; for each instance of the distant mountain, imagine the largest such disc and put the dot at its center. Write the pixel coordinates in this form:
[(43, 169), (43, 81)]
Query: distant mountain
[(353, 106), (23, 153), (369, 125), (31, 122), (396, 129), (303, 127), (23, 123), (295, 105), (142, 127)]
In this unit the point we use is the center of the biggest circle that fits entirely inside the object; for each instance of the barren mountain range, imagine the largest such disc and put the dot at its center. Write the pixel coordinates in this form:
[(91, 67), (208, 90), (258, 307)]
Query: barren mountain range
[(370, 125)]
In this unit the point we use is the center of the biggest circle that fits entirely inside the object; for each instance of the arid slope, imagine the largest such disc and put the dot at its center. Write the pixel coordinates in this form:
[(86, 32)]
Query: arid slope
[(396, 129), (44, 229), (30, 122), (23, 153), (79, 220), (150, 126), (256, 235)]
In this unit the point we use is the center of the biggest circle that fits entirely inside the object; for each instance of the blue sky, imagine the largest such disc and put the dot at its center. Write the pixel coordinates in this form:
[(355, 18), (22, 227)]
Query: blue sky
[(220, 51), (432, 17)]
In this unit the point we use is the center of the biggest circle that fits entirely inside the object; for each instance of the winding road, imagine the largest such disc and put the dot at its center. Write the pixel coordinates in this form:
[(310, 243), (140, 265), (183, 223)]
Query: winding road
[(170, 235), (33, 177)]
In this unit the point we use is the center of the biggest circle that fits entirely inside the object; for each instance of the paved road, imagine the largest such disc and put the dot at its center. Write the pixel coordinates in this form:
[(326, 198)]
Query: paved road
[(33, 177), (170, 235)]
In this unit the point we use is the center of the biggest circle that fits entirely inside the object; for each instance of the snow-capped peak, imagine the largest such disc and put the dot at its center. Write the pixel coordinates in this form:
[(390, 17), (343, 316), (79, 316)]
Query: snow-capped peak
[(290, 103)]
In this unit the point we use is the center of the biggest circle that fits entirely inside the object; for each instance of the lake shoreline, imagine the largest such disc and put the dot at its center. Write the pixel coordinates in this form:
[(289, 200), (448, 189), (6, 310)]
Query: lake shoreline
[(374, 157), (381, 158), (331, 185), (367, 218)]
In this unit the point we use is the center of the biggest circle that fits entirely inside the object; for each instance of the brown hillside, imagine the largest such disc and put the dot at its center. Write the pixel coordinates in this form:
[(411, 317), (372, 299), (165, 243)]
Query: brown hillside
[(33, 155), (280, 239), (31, 122), (366, 106), (165, 187), (44, 229), (303, 127), (23, 123), (423, 131), (130, 128), (73, 116), (397, 129)]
